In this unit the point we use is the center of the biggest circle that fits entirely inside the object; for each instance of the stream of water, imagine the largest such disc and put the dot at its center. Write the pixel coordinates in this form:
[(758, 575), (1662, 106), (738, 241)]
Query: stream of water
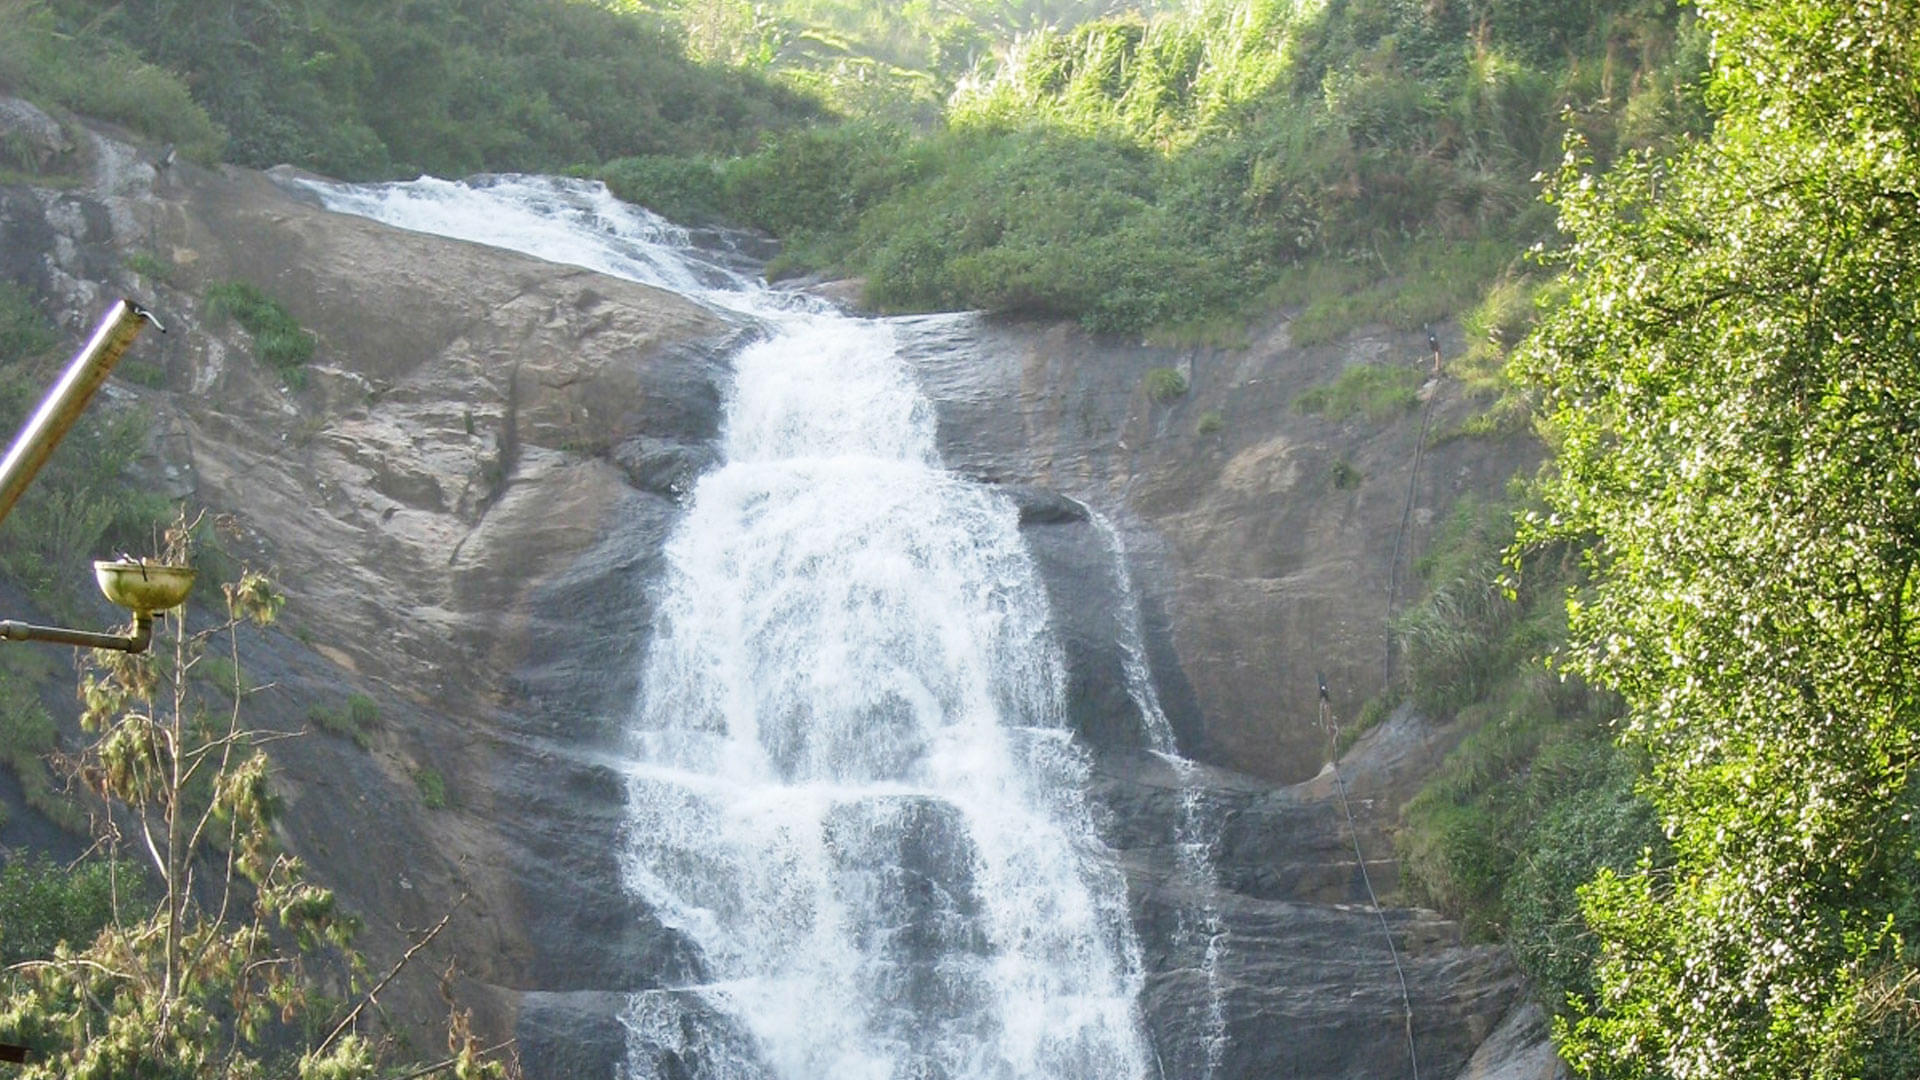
[(852, 787)]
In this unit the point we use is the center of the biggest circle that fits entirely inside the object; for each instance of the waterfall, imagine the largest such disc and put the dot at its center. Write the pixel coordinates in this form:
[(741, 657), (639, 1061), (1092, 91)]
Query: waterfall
[(1200, 932), (852, 789)]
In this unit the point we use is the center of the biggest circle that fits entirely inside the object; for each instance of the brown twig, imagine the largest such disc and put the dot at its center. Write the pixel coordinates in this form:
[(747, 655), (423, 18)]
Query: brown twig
[(441, 1066), (370, 995)]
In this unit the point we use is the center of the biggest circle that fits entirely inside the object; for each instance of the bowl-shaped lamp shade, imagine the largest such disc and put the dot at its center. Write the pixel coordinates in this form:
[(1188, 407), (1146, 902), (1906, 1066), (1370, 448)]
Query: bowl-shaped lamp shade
[(144, 587)]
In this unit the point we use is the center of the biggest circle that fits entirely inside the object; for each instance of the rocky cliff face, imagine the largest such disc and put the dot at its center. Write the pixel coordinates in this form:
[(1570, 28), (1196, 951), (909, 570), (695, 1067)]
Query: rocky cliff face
[(466, 503), (463, 505)]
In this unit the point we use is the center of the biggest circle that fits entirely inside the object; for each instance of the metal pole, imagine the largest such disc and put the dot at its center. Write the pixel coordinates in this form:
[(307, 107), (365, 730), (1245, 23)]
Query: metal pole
[(64, 403), (137, 642)]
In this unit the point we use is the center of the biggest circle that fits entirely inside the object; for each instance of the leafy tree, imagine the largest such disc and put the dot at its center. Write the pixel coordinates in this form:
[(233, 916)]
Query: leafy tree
[(1733, 383), (224, 975), (375, 90)]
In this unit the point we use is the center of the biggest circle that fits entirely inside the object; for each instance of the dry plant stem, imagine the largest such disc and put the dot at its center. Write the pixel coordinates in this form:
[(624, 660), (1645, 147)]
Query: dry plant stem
[(442, 1066), (369, 997), (176, 894), (225, 744), (80, 961)]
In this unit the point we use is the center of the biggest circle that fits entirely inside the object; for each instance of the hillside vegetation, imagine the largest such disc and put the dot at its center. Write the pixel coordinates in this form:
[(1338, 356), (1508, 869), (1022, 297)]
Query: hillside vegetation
[(366, 91), (1726, 372), (1142, 172), (1684, 652), (1168, 170)]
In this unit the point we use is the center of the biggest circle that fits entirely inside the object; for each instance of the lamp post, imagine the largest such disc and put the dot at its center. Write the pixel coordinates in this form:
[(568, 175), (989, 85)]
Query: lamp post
[(137, 585)]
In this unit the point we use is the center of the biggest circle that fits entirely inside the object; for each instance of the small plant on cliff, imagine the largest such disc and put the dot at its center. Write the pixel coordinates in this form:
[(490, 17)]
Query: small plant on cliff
[(278, 339), (151, 266), (1377, 391), (433, 787), (1165, 385), (354, 719), (222, 974), (1345, 476)]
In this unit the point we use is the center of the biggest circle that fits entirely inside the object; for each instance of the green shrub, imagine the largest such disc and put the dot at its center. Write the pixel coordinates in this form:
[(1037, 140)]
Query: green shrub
[(1377, 391), (1591, 819), (1536, 798), (100, 76), (1210, 423), (1164, 385), (355, 719), (151, 266), (42, 905), (1345, 476), (686, 189), (444, 86), (432, 786), (278, 339)]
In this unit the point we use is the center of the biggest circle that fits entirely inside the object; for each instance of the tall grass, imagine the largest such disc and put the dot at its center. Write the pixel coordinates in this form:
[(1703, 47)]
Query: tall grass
[(1536, 797)]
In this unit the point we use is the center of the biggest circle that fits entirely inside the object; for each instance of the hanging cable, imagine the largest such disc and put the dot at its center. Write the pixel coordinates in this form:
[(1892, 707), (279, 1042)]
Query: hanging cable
[(1373, 898), (1406, 514)]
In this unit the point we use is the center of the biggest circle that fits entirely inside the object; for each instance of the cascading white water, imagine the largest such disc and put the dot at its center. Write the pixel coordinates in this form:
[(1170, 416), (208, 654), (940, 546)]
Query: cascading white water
[(1200, 930), (852, 790)]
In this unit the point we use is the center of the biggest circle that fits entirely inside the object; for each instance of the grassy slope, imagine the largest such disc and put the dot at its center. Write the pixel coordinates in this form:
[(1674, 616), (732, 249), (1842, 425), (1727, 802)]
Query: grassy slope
[(1355, 160)]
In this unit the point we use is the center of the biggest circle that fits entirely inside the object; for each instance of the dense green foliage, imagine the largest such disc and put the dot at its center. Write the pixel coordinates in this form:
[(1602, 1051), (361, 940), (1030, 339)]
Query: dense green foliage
[(1361, 160), (1733, 383), (42, 906), (101, 77), (866, 59), (1136, 172), (1536, 799), (373, 90)]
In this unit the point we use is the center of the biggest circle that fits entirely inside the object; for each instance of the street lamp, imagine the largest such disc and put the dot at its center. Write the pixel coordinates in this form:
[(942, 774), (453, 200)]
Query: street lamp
[(135, 584)]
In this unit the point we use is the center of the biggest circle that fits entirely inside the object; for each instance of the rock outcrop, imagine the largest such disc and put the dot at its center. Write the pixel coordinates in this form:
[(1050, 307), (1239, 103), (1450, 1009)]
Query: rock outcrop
[(463, 504), (466, 501)]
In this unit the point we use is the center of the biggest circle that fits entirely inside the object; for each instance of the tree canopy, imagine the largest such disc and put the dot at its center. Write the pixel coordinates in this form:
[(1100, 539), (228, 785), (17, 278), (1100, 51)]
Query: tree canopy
[(1733, 385)]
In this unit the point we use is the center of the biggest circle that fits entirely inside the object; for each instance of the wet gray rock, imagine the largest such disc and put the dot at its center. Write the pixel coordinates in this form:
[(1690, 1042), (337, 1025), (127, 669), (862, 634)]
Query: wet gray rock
[(1519, 1049), (30, 140), (1265, 956)]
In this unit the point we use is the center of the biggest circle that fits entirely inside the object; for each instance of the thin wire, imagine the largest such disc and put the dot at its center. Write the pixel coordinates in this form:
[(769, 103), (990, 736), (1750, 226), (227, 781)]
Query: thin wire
[(1399, 538), (1406, 996)]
